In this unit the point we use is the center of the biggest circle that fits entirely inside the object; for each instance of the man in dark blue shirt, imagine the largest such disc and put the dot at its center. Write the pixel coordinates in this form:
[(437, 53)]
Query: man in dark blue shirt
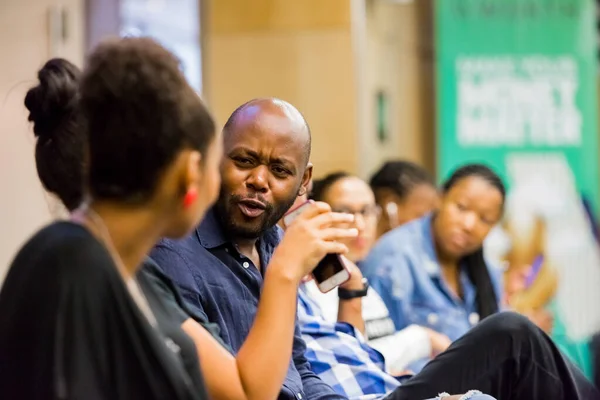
[(220, 267)]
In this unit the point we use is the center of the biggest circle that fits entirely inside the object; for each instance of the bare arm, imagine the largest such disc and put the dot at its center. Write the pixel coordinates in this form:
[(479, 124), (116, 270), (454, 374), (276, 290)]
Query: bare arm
[(350, 311)]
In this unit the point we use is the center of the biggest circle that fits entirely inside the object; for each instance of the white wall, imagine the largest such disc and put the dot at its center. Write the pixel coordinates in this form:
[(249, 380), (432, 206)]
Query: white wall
[(25, 46)]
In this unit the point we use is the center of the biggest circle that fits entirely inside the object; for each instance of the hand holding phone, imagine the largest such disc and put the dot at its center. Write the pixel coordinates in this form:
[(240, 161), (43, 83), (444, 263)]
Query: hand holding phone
[(313, 230)]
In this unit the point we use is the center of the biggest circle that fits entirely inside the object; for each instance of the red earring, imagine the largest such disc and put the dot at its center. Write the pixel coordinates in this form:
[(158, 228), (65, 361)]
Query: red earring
[(189, 197)]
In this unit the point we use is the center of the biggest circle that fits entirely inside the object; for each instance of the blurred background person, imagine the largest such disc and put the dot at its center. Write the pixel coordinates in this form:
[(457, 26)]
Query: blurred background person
[(535, 241), (432, 271), (339, 354), (403, 191), (349, 194), (528, 289)]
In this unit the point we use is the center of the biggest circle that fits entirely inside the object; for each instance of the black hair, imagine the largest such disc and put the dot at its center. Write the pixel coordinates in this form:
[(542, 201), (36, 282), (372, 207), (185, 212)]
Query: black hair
[(60, 148), (477, 270), (400, 177), (321, 186), (139, 112), (475, 170), (231, 121)]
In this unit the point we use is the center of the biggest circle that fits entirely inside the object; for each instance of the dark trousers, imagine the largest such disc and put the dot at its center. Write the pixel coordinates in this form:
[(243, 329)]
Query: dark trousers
[(505, 356)]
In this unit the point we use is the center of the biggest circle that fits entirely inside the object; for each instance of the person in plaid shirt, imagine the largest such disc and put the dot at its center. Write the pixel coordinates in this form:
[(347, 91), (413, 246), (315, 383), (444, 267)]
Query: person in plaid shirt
[(339, 355), (505, 355)]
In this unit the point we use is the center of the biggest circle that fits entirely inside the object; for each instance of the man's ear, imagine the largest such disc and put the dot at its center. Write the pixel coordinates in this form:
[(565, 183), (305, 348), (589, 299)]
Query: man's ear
[(306, 180)]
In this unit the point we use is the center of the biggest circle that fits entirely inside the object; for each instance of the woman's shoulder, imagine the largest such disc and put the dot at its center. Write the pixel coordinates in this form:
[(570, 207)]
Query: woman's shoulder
[(61, 236), (63, 249), (60, 232)]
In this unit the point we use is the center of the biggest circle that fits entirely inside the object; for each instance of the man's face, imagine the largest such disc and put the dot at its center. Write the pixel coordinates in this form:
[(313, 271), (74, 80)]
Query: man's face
[(264, 169)]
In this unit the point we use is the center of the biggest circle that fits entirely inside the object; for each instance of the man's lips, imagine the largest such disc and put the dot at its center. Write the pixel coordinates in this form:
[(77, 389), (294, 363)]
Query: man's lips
[(251, 208)]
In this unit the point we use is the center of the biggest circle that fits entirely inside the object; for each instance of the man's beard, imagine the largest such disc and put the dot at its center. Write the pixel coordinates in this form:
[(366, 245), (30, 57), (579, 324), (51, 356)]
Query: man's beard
[(271, 215)]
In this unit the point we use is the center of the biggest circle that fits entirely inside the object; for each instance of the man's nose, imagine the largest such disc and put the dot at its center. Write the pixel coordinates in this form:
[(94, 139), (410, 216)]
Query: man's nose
[(259, 179)]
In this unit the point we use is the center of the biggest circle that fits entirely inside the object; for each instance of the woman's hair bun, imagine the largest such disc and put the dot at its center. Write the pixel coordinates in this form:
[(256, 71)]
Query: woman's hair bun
[(52, 101)]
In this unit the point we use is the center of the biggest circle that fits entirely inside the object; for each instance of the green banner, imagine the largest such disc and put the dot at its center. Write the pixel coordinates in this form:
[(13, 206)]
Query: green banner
[(517, 90)]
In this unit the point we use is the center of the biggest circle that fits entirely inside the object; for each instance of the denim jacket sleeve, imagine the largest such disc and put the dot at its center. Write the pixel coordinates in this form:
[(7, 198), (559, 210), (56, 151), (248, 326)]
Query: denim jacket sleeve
[(389, 274)]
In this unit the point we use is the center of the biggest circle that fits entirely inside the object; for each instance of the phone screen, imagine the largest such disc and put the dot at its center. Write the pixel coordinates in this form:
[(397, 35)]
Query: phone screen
[(327, 267)]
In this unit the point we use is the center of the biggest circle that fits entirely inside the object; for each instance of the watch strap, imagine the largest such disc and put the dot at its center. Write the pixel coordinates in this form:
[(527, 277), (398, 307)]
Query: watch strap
[(345, 294)]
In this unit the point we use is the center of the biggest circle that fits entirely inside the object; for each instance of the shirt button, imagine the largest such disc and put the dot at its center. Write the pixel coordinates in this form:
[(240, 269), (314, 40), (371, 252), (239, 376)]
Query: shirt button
[(299, 396), (432, 319), (473, 318), (245, 264), (226, 250)]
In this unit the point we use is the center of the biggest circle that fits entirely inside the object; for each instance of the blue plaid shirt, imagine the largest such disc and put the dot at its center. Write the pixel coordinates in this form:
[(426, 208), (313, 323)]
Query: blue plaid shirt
[(339, 355)]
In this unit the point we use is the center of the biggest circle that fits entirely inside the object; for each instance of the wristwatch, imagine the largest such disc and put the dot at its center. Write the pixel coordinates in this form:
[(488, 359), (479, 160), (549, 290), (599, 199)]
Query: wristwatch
[(345, 294)]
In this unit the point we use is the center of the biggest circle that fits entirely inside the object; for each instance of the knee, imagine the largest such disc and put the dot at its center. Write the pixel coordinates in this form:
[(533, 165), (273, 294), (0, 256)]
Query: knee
[(510, 324)]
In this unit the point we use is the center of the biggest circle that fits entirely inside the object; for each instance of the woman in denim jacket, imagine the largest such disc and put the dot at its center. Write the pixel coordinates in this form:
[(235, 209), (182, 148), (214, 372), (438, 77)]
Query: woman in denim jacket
[(432, 271)]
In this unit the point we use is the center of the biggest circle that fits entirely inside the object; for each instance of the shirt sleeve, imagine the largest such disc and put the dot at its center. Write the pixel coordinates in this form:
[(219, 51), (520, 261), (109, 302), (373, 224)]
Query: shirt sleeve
[(183, 302), (391, 279), (164, 289), (314, 388), (171, 297), (403, 347), (178, 269)]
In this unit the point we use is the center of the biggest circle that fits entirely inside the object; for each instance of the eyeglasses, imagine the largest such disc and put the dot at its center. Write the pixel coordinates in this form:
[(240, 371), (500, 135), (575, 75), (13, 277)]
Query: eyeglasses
[(366, 213)]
